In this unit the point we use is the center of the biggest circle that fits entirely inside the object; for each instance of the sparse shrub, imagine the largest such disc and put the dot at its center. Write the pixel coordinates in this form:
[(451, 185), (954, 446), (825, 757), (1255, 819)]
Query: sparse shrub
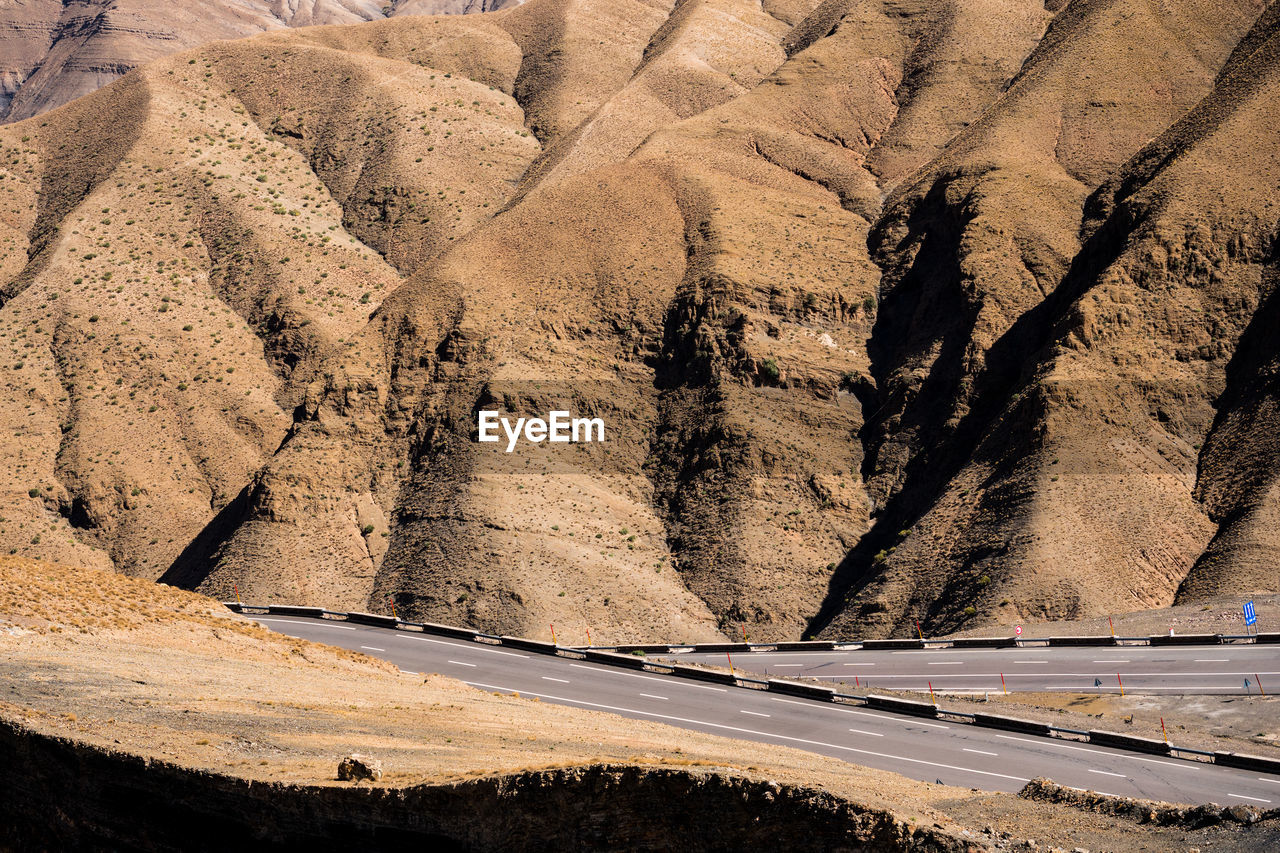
[(366, 530), (971, 611), (769, 370), (33, 492)]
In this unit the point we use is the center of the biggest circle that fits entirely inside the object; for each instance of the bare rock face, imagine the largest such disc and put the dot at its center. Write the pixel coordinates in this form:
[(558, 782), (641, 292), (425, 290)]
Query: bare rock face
[(359, 768), (891, 318)]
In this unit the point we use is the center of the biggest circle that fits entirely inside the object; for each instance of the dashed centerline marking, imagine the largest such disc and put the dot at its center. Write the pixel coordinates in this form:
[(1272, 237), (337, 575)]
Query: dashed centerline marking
[(462, 663), (1108, 773), (979, 751), (755, 713), (651, 696), (561, 680), (373, 648), (1255, 799), (864, 732)]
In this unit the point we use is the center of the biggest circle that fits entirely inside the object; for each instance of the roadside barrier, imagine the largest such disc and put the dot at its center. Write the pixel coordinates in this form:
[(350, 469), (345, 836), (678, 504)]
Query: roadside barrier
[(1012, 724), (892, 644), (1185, 639), (799, 688), (901, 706), (984, 642), (814, 692), (1129, 742), (1247, 762)]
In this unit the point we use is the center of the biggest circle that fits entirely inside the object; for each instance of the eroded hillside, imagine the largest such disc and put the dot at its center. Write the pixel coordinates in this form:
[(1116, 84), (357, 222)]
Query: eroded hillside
[(52, 51), (950, 311)]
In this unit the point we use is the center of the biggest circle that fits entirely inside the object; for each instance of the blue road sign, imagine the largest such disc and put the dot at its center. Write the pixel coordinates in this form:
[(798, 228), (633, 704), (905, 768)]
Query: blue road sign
[(1250, 615)]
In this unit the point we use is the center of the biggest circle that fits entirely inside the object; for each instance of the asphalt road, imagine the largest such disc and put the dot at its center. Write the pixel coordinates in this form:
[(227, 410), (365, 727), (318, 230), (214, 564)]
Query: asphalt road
[(1142, 669), (953, 753)]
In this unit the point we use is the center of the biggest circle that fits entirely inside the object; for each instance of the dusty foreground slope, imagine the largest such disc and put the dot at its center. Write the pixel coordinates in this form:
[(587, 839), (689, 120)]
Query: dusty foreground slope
[(53, 51), (895, 310), (116, 688)]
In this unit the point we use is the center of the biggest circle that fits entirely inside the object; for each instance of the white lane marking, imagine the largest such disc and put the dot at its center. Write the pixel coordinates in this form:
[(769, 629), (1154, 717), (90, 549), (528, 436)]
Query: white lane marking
[(300, 622), (561, 680), (781, 665), (947, 663), (864, 732), (1111, 661), (1048, 743), (373, 648), (1029, 661), (1272, 781), (756, 713), (1155, 761), (979, 751), (747, 731), (858, 664), (471, 647), (1213, 660), (899, 720), (666, 680), (1107, 773), (462, 663), (651, 696), (1243, 797)]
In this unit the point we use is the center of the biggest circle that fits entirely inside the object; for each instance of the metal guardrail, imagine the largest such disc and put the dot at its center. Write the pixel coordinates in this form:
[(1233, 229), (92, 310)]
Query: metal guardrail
[(789, 687)]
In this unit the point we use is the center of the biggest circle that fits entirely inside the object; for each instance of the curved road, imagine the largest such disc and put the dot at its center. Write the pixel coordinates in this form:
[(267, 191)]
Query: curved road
[(929, 750), (1142, 669)]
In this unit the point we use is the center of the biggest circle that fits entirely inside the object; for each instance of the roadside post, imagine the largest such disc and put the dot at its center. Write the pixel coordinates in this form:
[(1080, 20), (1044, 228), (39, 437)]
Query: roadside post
[(553, 634), (1002, 685), (237, 591), (1121, 683)]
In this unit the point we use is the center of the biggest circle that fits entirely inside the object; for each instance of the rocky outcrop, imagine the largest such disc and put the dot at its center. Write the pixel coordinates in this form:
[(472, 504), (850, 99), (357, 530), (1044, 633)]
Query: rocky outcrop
[(1147, 811)]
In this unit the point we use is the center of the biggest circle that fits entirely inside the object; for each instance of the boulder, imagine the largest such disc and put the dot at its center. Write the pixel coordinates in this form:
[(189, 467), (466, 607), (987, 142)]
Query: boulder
[(357, 768)]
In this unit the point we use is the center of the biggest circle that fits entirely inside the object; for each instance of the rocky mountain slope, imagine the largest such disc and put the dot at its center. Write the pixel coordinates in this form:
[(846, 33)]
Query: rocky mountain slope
[(895, 310), (52, 51)]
